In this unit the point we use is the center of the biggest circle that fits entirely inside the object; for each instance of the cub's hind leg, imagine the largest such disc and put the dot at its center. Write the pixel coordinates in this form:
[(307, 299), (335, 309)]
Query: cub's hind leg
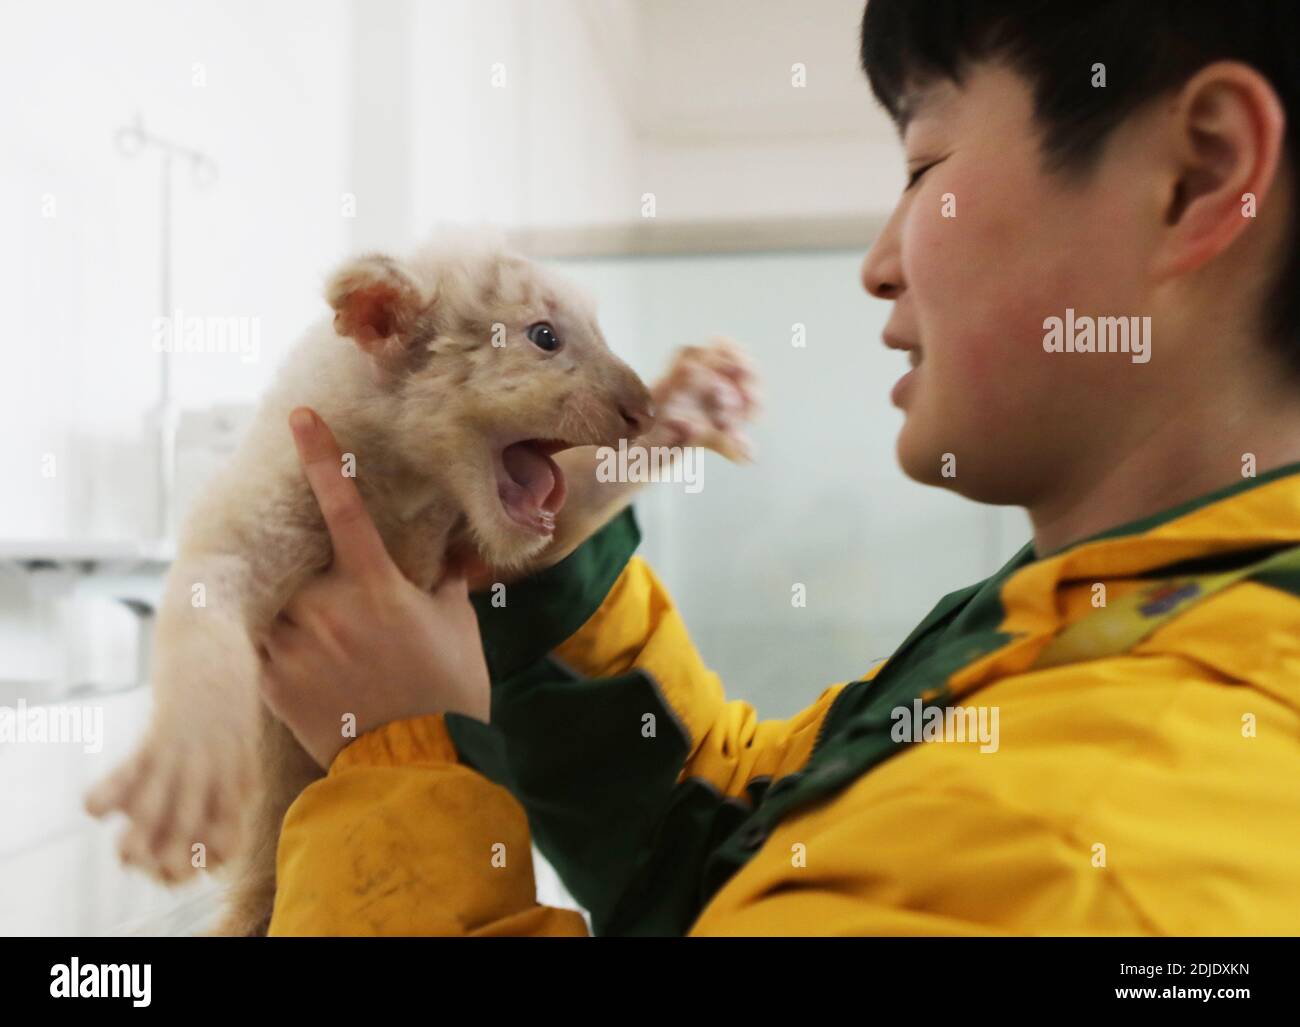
[(287, 769)]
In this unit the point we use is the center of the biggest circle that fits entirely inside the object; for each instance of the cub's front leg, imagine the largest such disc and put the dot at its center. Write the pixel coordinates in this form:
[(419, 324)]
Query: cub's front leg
[(186, 788)]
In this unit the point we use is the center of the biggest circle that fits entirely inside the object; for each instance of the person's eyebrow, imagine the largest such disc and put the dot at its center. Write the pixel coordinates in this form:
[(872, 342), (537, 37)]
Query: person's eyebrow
[(916, 102), (905, 112)]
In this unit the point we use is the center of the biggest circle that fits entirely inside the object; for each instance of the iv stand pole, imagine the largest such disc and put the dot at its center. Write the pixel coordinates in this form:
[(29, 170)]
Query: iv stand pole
[(131, 140)]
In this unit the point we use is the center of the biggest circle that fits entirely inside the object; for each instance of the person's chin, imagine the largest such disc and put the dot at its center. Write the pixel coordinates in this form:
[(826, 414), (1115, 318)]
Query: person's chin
[(918, 456)]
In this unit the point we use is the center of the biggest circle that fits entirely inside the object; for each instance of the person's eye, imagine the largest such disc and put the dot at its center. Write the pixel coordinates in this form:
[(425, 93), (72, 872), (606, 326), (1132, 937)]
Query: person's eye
[(544, 337), (916, 175)]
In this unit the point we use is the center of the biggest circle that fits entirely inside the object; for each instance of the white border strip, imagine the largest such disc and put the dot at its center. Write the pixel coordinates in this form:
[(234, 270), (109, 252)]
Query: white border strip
[(666, 238)]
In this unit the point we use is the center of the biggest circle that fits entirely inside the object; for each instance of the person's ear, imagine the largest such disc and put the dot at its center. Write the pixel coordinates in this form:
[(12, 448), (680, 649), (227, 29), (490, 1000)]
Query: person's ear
[(1228, 132), (376, 302)]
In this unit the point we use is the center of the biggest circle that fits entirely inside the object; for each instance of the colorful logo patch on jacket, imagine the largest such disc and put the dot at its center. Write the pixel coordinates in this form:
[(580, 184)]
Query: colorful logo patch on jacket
[(1166, 597)]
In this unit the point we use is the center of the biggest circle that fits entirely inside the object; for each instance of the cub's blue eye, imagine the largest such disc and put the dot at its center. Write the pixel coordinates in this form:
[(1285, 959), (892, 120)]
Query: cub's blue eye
[(544, 336)]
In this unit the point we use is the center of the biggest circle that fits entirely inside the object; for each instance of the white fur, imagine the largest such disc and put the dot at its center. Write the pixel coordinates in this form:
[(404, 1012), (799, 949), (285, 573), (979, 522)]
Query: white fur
[(425, 402)]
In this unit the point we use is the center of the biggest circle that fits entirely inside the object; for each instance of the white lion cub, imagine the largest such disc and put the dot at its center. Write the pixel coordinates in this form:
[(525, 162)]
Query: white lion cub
[(452, 380)]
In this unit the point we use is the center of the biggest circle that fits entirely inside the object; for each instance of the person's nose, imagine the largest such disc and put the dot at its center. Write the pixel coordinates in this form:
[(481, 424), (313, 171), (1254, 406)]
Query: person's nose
[(882, 267)]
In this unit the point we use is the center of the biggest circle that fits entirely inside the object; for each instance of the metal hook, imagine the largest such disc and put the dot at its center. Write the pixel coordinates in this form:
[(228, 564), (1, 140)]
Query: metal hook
[(132, 139), (204, 170)]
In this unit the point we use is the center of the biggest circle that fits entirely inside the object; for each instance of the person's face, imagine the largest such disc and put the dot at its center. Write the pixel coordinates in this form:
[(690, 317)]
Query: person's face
[(971, 292)]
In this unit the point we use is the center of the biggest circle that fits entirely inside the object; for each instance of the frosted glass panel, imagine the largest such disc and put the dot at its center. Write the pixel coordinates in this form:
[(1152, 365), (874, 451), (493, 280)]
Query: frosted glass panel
[(825, 505)]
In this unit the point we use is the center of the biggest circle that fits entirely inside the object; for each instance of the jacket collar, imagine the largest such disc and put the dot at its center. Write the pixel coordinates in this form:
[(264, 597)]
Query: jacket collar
[(1252, 515)]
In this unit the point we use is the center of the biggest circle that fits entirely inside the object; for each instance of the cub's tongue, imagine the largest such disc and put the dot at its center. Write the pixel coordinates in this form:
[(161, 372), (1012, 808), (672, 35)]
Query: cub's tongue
[(531, 470), (534, 489)]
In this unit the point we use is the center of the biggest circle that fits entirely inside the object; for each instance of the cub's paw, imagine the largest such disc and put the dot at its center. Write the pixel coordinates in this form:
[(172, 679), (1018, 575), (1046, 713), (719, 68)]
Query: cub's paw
[(184, 792), (708, 396)]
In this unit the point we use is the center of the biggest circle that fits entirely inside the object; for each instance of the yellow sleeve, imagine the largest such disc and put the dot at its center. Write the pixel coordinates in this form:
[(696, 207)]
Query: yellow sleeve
[(638, 629), (399, 838)]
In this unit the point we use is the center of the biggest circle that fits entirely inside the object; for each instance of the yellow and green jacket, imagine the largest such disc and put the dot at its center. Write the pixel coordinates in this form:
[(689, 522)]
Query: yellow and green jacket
[(1145, 780)]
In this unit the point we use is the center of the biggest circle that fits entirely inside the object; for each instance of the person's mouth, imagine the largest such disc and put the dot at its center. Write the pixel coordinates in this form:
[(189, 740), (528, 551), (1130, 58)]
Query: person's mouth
[(530, 483), (904, 385)]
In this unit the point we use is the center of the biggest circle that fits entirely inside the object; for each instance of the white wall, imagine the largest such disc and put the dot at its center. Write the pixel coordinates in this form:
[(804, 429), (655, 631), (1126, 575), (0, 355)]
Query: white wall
[(517, 123), (745, 180), (80, 290), (493, 111), (82, 286), (758, 108)]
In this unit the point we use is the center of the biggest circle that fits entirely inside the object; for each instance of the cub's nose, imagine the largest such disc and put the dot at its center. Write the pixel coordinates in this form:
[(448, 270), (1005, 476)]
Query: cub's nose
[(638, 417)]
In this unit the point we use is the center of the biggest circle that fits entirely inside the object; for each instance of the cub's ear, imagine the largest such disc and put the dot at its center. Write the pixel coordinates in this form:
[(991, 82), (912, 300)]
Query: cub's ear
[(375, 299)]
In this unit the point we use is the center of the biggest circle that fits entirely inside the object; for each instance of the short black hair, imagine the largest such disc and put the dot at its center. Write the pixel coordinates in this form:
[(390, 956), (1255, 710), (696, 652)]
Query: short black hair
[(1148, 47)]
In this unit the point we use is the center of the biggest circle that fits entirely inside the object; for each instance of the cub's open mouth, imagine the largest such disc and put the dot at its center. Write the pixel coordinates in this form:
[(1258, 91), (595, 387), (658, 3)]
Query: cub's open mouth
[(531, 484)]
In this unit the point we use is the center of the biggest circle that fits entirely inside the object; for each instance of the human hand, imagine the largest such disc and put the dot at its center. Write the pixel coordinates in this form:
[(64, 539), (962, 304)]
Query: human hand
[(361, 639)]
